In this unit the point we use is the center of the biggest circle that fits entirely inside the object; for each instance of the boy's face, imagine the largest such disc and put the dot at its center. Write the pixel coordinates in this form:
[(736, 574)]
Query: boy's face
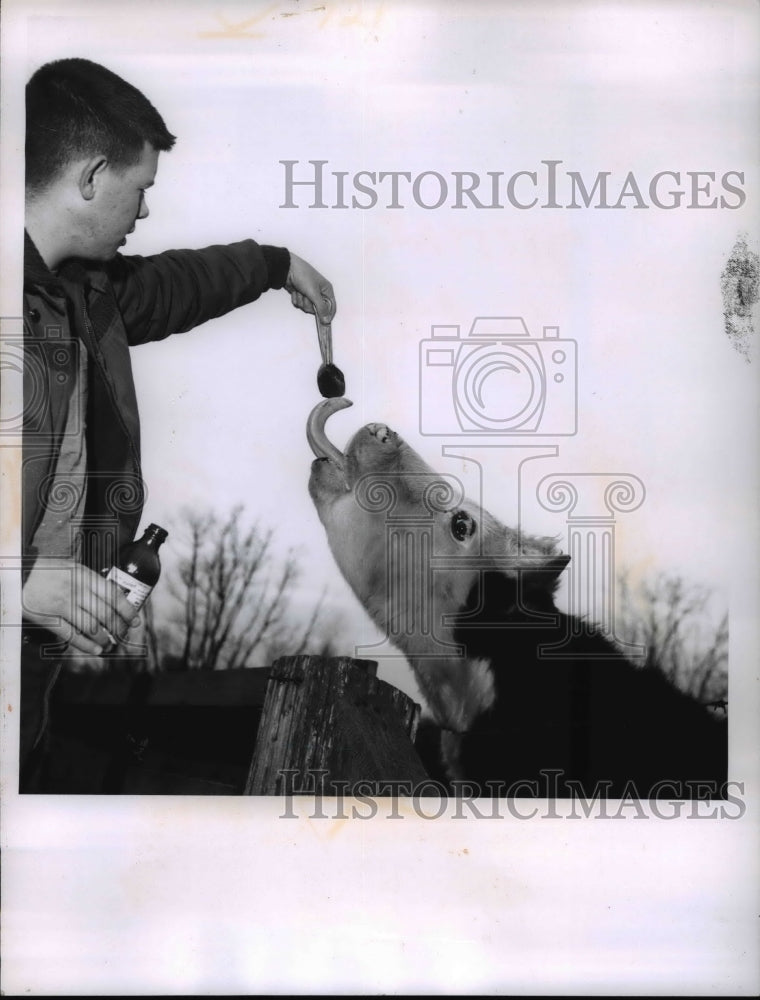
[(118, 203)]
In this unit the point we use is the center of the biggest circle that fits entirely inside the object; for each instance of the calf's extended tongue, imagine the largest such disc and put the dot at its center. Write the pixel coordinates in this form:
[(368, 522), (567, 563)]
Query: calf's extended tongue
[(315, 429)]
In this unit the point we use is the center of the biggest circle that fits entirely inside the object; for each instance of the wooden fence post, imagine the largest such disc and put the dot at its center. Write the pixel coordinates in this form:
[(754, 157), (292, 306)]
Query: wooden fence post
[(332, 715)]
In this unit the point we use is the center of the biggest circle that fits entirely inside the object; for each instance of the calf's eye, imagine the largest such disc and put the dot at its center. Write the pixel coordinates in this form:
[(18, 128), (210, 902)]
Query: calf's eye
[(462, 525)]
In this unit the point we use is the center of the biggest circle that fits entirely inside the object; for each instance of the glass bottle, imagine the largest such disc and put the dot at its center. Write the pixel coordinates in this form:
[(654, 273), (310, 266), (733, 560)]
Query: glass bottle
[(139, 567)]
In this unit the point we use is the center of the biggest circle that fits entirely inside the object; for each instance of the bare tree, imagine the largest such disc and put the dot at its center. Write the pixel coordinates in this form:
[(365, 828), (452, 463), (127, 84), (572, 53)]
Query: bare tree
[(673, 621), (230, 600)]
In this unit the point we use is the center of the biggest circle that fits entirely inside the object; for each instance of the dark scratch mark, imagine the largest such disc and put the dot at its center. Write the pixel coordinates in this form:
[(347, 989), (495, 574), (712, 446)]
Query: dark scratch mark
[(295, 13), (739, 283)]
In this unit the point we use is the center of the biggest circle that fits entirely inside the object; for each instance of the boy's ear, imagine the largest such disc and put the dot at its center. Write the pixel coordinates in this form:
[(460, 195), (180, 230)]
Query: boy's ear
[(89, 176)]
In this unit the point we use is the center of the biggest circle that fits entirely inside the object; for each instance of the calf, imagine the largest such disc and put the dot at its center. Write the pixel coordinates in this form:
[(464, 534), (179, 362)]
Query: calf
[(523, 694)]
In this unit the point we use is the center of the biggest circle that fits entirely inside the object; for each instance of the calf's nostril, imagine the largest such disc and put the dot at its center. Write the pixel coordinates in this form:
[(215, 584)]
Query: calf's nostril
[(380, 431)]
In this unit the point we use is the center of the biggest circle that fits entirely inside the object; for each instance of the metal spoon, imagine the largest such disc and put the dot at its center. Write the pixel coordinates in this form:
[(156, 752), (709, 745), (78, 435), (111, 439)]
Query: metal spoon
[(330, 379)]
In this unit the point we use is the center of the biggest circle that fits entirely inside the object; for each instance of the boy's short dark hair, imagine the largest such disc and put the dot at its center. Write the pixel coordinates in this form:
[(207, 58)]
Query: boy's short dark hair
[(77, 108)]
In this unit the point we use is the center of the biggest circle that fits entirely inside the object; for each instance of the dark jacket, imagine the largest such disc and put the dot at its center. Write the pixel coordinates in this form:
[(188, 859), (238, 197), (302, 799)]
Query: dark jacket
[(105, 310)]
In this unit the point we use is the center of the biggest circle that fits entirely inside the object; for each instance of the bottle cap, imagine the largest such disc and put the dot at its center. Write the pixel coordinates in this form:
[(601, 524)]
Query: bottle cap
[(161, 534)]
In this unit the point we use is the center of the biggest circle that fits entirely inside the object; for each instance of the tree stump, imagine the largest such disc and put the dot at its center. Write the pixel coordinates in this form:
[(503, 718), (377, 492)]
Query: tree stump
[(328, 724)]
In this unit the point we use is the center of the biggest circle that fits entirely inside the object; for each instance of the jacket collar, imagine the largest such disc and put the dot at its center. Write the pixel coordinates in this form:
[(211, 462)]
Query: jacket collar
[(38, 274), (36, 271)]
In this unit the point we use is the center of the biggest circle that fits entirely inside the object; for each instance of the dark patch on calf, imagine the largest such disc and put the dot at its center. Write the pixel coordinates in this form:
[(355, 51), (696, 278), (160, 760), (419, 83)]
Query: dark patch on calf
[(588, 713)]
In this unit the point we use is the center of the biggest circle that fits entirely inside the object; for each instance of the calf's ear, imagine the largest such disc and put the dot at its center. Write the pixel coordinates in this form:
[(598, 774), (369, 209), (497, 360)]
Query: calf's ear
[(542, 574), (496, 594)]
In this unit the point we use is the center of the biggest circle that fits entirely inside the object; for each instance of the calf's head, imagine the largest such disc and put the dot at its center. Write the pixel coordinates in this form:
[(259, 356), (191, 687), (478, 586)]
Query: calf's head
[(423, 559)]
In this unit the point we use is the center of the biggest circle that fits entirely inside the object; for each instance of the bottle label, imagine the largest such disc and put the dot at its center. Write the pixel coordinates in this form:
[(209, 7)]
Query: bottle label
[(134, 590)]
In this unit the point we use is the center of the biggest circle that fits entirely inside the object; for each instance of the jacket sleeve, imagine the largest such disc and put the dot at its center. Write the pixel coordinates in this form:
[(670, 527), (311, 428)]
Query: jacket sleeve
[(177, 290)]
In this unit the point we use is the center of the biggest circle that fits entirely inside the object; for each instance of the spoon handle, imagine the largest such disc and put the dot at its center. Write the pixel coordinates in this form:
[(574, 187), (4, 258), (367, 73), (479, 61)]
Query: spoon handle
[(324, 333)]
